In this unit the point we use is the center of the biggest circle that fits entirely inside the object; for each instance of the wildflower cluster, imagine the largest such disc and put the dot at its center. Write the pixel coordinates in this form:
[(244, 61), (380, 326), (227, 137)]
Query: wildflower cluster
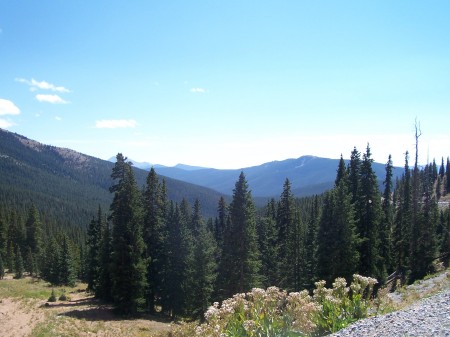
[(274, 312), (342, 305)]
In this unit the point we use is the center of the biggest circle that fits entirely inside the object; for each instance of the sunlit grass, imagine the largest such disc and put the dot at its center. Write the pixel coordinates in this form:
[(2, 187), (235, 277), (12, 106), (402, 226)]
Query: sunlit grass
[(30, 288)]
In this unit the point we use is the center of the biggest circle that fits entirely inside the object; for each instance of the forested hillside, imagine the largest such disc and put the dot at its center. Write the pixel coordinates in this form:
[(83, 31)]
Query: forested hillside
[(168, 256), (67, 185)]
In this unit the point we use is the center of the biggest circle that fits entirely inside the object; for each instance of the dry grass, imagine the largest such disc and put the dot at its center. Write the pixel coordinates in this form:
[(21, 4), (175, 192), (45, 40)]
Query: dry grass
[(24, 311)]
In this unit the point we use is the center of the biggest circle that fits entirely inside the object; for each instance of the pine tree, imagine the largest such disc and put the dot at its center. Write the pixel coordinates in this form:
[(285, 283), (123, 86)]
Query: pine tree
[(3, 238), (128, 265), (95, 231), (16, 231), (155, 233), (10, 258), (286, 232), (327, 231), (447, 175), (220, 222), (50, 262), (354, 174), (295, 272), (388, 219), (368, 209), (268, 247), (177, 276), (445, 241), (427, 242), (67, 274), (18, 264), (241, 246), (34, 232), (402, 230), (311, 244), (30, 262), (337, 241), (341, 172), (104, 283), (204, 267), (442, 169), (337, 254), (2, 268)]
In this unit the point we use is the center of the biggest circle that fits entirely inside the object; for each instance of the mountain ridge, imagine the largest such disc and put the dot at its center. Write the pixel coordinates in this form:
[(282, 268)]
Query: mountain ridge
[(308, 175), (69, 184)]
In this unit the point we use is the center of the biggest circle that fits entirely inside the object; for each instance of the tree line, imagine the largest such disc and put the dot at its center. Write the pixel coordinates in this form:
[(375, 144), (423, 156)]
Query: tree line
[(40, 249), (148, 253), (156, 255)]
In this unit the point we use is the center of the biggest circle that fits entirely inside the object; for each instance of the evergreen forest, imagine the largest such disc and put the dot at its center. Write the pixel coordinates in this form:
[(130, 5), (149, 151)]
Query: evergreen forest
[(148, 253)]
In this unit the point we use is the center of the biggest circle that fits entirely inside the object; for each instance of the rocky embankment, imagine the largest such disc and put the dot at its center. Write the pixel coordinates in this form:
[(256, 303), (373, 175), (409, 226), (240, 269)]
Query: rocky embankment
[(429, 316)]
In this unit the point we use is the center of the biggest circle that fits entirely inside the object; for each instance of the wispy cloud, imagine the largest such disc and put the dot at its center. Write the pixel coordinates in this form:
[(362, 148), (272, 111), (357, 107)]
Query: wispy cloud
[(115, 123), (198, 90), (58, 118), (43, 85), (54, 99), (7, 107)]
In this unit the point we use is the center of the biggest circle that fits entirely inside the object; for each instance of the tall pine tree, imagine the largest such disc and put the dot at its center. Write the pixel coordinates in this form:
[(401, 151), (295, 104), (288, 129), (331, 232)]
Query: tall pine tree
[(128, 264), (288, 235), (386, 225), (204, 268), (368, 208), (155, 235), (241, 247), (402, 227)]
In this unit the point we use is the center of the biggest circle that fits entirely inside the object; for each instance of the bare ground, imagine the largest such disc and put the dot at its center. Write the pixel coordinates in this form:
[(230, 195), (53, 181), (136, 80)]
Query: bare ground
[(82, 315)]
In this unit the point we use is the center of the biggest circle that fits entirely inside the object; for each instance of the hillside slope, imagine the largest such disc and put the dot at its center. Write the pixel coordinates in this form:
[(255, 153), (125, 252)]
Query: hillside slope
[(69, 186)]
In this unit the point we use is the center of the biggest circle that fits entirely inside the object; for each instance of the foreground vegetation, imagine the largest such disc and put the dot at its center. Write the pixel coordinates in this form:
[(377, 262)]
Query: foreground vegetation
[(270, 312)]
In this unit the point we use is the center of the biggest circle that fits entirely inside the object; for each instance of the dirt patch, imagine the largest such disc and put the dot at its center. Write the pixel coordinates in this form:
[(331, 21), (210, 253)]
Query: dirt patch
[(19, 317), (82, 315)]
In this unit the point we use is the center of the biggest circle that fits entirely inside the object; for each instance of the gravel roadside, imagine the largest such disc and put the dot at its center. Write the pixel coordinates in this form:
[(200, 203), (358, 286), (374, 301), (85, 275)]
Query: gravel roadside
[(428, 317)]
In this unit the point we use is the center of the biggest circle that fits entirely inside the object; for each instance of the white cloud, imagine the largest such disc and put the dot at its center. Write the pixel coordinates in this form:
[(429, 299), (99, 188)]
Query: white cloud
[(8, 108), (43, 85), (4, 124), (115, 123), (58, 118), (54, 99), (198, 90)]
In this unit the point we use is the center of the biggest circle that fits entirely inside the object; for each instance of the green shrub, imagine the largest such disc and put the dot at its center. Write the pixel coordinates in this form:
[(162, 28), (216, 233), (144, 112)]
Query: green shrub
[(63, 296), (52, 297)]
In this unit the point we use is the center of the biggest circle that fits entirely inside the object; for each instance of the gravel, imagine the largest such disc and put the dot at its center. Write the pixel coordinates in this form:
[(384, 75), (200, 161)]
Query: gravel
[(428, 317)]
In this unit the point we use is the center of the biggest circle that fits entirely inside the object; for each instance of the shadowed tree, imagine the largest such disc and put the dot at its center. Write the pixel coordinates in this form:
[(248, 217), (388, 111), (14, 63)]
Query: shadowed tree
[(240, 251), (127, 263), (387, 223)]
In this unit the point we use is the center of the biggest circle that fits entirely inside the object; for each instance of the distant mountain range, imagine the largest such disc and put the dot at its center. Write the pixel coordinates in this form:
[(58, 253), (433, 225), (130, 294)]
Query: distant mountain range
[(308, 175), (147, 166)]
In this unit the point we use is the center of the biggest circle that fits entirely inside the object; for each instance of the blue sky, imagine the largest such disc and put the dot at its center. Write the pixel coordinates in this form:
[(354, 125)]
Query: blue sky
[(227, 84)]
